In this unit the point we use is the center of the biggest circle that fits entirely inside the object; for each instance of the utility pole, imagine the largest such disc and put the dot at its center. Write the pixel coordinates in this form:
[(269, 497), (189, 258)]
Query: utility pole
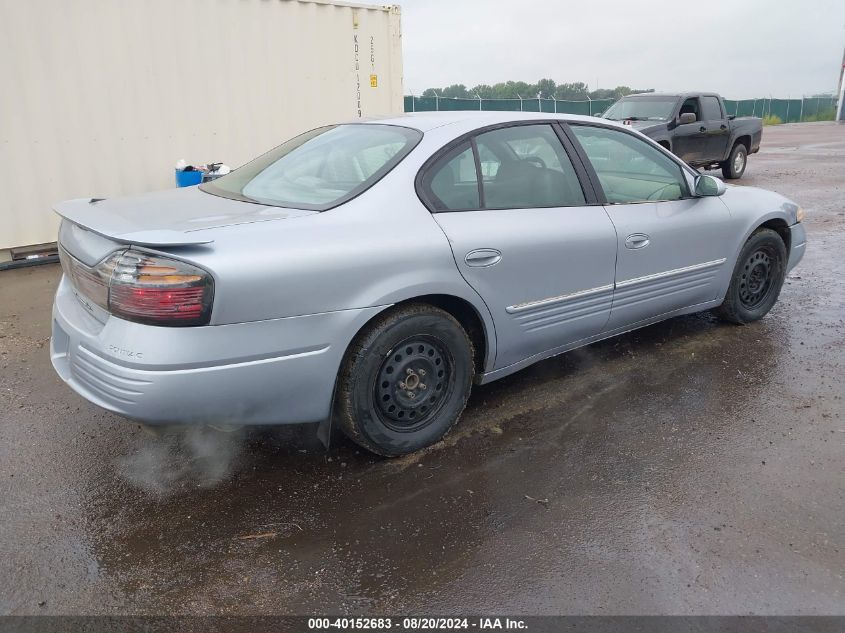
[(840, 111)]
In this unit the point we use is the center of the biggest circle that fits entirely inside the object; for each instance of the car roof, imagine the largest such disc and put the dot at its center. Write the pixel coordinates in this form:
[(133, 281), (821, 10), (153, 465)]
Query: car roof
[(425, 121), (653, 94), (674, 95)]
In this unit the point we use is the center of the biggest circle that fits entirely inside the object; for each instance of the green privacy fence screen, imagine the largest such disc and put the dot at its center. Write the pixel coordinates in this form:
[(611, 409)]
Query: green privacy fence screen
[(787, 110), (431, 104)]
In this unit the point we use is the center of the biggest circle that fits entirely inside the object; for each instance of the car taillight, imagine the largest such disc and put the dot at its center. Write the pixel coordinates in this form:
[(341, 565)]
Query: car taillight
[(159, 291), (93, 283), (144, 288)]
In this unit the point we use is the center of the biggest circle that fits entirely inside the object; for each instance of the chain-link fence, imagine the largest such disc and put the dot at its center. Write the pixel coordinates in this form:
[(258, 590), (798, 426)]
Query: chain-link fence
[(787, 110)]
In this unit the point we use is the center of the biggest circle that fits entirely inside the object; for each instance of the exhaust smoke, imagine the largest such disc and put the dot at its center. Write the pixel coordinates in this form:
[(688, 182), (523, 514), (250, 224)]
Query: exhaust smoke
[(175, 458)]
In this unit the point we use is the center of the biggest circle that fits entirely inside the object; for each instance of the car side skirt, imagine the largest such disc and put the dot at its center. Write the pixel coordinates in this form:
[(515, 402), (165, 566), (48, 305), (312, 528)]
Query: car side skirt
[(490, 376)]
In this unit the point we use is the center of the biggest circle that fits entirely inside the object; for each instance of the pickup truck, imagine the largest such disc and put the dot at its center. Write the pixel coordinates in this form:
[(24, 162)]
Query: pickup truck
[(694, 126)]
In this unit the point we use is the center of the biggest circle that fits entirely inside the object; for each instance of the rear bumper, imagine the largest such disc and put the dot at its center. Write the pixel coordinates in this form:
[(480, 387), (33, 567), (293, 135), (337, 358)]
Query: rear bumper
[(797, 245), (279, 371)]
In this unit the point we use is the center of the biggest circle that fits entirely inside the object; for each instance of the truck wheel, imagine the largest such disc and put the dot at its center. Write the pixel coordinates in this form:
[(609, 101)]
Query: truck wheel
[(734, 167), (405, 380), (757, 279)]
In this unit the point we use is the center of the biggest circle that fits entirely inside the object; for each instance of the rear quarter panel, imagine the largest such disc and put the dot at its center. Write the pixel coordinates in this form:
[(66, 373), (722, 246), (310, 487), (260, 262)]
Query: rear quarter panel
[(376, 250), (747, 126)]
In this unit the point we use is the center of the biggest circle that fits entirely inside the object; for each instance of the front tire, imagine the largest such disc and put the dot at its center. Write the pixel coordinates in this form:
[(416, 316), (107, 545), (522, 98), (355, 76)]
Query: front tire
[(734, 167), (757, 279), (405, 380)]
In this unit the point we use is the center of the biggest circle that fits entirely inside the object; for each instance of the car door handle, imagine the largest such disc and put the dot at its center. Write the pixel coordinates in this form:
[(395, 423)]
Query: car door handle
[(483, 257), (637, 240), (723, 127)]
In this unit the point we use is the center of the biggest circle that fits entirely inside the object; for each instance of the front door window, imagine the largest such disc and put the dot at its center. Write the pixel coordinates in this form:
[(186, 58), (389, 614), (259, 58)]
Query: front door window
[(630, 169)]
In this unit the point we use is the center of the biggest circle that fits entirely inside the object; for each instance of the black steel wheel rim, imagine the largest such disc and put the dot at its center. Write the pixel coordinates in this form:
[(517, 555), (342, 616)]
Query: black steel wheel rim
[(756, 278), (413, 383)]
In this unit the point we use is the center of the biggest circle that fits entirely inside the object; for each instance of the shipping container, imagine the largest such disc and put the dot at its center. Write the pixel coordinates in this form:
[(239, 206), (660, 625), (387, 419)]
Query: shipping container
[(101, 98)]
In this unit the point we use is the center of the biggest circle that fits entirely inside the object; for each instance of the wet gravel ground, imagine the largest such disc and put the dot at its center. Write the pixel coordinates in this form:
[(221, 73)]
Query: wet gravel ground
[(691, 467)]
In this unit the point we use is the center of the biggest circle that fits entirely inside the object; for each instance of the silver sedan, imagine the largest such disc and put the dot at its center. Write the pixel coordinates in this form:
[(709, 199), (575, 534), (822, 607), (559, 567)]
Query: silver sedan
[(369, 273)]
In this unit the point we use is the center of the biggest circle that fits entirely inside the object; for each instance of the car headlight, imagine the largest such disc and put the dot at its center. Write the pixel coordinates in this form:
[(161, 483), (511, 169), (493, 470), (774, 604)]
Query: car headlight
[(799, 215)]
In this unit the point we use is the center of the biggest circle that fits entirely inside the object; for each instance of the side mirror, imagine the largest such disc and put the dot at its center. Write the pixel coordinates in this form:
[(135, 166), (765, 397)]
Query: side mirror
[(709, 186), (687, 117)]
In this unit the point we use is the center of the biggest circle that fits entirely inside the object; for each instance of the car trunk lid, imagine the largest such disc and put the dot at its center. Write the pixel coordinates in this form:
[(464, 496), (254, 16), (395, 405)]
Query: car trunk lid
[(175, 217), (176, 221)]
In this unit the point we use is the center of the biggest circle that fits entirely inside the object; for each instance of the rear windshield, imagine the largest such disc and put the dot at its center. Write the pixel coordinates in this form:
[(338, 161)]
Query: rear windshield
[(319, 169), (642, 109)]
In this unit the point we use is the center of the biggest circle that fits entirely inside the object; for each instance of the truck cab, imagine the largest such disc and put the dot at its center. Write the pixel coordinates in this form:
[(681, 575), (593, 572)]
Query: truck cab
[(694, 126)]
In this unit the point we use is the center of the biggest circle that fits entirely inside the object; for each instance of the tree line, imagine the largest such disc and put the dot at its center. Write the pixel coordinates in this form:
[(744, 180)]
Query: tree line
[(545, 88)]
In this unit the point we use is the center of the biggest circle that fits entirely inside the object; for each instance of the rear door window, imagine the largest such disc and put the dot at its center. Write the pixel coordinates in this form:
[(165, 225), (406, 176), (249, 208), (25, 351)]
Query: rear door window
[(516, 167), (526, 167), (710, 109)]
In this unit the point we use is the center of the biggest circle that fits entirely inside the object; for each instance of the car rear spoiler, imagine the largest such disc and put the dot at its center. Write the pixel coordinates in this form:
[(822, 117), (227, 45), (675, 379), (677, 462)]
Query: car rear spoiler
[(83, 212)]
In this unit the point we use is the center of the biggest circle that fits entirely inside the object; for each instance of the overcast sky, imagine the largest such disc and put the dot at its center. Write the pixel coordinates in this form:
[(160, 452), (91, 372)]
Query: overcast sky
[(741, 48)]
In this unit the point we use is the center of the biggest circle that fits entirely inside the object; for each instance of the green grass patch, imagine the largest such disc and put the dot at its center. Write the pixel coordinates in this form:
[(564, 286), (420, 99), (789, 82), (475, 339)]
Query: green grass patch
[(772, 119), (822, 115)]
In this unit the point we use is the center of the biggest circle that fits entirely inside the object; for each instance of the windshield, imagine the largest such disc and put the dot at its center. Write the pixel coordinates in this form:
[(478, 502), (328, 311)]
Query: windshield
[(319, 169), (642, 109)]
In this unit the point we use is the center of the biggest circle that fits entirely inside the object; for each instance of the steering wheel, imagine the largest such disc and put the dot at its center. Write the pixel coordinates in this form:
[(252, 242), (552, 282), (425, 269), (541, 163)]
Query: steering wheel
[(535, 159)]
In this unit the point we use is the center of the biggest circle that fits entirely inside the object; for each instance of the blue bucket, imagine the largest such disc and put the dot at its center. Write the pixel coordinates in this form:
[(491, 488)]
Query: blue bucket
[(188, 178)]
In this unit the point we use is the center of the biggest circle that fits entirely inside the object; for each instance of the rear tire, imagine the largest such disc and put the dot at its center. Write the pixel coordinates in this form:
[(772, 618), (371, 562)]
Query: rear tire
[(405, 380), (734, 167), (757, 278)]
